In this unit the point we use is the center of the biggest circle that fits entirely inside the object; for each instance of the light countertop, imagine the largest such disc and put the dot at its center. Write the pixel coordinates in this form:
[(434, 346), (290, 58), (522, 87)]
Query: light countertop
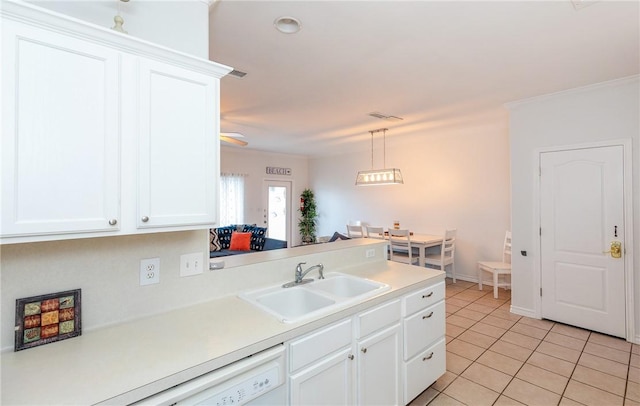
[(130, 361)]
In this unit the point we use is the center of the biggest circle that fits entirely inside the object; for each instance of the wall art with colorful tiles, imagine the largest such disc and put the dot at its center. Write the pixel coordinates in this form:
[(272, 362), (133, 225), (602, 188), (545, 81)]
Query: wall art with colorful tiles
[(47, 318)]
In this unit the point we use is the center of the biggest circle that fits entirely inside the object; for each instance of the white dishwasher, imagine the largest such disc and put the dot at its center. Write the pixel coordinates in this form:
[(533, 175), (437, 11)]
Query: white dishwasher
[(258, 379)]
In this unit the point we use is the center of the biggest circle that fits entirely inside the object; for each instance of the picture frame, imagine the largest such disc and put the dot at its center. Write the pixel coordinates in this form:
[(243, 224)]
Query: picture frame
[(47, 318)]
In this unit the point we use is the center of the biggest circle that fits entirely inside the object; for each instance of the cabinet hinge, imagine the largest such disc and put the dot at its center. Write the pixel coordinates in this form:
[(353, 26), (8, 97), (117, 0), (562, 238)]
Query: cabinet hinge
[(540, 291), (540, 231)]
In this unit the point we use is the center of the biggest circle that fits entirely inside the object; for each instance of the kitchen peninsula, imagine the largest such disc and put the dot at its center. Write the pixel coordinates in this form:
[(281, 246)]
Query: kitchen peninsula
[(128, 362)]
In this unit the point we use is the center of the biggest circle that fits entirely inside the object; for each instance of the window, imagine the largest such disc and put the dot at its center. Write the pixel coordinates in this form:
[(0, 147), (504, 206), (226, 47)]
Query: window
[(231, 198)]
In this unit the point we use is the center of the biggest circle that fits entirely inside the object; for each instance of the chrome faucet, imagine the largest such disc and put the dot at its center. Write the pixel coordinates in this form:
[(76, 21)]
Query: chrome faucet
[(300, 274)]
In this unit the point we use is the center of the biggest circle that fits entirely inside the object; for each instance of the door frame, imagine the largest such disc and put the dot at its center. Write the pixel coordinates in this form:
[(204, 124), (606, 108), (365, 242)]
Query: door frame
[(265, 203), (628, 227)]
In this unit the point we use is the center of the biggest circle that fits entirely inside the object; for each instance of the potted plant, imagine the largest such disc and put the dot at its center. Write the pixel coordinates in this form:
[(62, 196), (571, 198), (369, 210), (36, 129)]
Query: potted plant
[(308, 221)]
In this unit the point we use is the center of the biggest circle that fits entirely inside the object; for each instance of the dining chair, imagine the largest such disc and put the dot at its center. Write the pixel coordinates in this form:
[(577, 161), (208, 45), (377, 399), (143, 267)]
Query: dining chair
[(375, 232), (446, 255), (355, 231), (400, 249), (498, 268)]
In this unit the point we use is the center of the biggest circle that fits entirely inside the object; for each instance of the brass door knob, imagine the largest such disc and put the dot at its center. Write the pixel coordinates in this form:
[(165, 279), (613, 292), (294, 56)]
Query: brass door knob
[(615, 250)]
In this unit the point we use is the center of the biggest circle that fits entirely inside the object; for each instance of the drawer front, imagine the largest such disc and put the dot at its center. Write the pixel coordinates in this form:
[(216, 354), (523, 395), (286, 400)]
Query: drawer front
[(423, 328), (318, 344), (378, 318), (423, 370), (423, 298)]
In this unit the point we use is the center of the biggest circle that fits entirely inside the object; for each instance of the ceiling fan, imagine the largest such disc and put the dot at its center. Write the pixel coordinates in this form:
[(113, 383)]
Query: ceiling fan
[(233, 138)]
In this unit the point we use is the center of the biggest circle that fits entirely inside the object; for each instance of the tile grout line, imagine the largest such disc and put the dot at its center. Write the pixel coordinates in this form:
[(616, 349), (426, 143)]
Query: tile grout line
[(485, 350), (575, 364)]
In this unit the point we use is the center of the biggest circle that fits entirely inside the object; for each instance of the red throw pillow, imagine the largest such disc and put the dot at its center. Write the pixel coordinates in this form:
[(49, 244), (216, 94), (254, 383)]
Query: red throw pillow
[(240, 241)]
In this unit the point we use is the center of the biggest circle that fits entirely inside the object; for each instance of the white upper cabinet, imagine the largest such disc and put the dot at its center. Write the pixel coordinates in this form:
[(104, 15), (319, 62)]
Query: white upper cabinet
[(60, 135), (177, 141), (102, 134)]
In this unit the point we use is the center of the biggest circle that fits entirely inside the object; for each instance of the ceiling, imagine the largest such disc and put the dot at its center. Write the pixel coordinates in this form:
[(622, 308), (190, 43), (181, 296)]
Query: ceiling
[(425, 61)]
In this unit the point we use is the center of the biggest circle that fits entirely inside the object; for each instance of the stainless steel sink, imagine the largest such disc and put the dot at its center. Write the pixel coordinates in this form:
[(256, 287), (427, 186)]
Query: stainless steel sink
[(319, 297)]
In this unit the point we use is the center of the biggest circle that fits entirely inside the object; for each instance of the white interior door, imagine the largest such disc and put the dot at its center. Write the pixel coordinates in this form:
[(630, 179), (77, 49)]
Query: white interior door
[(582, 213), (277, 214)]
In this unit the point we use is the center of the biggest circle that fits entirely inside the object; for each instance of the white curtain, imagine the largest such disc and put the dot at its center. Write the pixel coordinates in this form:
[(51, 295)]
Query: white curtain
[(231, 198)]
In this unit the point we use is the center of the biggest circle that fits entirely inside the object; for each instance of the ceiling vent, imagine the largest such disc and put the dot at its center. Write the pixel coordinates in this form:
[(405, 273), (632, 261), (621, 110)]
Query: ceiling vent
[(238, 73), (385, 117)]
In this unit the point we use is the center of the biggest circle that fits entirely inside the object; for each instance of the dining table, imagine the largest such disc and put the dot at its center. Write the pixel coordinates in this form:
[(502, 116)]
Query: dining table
[(422, 242)]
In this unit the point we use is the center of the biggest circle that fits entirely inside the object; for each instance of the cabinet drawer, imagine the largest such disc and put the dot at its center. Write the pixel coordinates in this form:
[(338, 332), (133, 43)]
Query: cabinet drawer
[(423, 370), (378, 318), (423, 328), (318, 344), (423, 298)]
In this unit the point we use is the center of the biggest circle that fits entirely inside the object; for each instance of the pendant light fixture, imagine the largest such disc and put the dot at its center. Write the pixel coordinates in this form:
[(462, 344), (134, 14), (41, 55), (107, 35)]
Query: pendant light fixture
[(385, 176)]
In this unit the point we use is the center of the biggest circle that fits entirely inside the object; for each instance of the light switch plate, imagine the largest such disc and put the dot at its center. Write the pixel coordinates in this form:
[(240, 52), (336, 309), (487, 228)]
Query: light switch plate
[(191, 264)]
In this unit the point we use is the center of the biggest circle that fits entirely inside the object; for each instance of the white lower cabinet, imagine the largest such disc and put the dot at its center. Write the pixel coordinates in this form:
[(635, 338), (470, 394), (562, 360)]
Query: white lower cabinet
[(355, 361), (379, 360), (386, 355), (424, 339), (321, 366), (328, 381)]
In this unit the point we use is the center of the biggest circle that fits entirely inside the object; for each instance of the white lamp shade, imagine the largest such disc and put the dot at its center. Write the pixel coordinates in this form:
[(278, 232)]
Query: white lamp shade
[(390, 176)]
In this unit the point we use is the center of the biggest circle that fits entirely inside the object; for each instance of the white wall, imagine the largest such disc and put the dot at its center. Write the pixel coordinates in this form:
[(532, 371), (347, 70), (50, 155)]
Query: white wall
[(607, 111), (456, 176), (180, 25), (106, 269), (254, 164)]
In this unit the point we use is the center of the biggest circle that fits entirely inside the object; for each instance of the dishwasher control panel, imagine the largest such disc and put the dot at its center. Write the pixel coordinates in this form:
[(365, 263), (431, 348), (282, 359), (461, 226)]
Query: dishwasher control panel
[(247, 390), (257, 379)]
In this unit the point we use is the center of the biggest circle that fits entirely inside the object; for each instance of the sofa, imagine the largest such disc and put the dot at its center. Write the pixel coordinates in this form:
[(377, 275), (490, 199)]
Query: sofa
[(241, 239)]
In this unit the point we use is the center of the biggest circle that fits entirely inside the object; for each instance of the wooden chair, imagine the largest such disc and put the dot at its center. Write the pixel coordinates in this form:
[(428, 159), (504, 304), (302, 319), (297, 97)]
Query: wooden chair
[(498, 268), (354, 231), (375, 232), (400, 247), (446, 255)]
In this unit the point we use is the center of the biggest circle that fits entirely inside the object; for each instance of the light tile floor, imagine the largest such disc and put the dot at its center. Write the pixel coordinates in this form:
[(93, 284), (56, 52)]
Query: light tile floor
[(497, 358)]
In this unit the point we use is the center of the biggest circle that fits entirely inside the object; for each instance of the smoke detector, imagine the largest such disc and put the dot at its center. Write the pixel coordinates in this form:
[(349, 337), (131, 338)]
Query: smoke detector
[(287, 25)]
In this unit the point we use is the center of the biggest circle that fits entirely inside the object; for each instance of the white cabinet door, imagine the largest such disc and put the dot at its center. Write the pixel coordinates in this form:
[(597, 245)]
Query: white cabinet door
[(326, 382), (178, 146), (60, 133), (379, 362)]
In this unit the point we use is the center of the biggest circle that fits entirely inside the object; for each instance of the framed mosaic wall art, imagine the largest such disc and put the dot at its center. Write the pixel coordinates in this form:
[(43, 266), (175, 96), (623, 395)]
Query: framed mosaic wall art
[(47, 318)]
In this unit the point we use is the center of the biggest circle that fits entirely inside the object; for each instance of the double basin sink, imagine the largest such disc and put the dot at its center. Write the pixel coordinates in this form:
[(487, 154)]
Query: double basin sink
[(321, 296)]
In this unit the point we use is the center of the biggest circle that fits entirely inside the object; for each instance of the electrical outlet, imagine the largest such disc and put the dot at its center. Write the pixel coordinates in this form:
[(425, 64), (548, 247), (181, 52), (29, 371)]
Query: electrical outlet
[(149, 271), (191, 264), (370, 253)]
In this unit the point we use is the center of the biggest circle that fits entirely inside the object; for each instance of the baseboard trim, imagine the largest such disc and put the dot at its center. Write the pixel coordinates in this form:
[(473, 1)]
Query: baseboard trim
[(465, 278), (521, 311)]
